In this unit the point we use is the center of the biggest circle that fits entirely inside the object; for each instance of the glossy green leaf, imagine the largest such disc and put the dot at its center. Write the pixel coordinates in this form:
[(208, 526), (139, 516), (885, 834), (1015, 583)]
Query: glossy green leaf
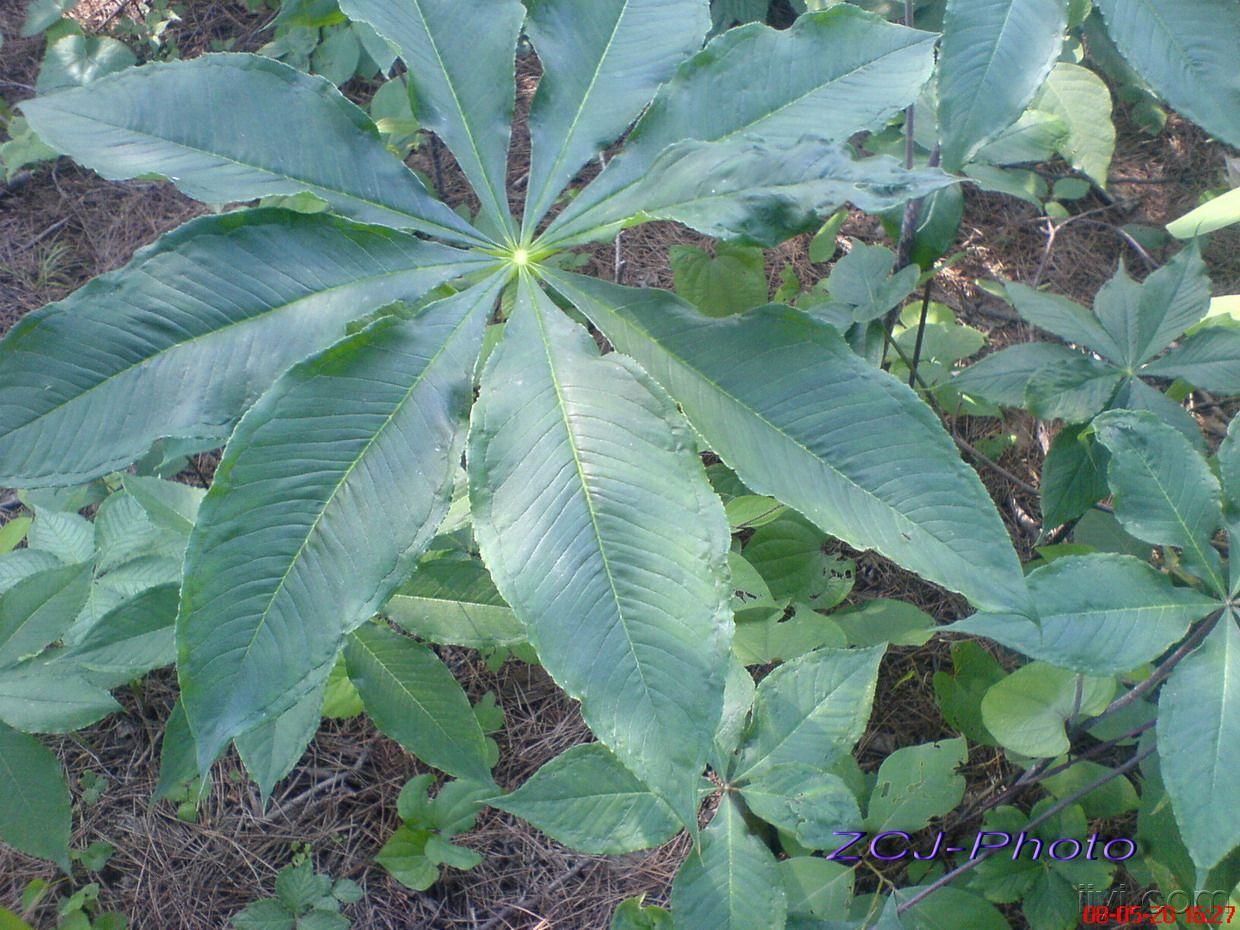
[(833, 73), (1026, 711), (282, 132), (460, 59), (778, 395), (196, 327), (1186, 50), (374, 424), (1002, 377), (1082, 101), (732, 881), (413, 698), (602, 63), (587, 800), (808, 802), (812, 709), (38, 609), (454, 602), (915, 784), (35, 817), (580, 468), (995, 56), (1097, 614), (1164, 492), (1199, 743)]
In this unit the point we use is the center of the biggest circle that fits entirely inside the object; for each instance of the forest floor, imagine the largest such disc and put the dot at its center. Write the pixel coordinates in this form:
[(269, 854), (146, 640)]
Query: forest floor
[(61, 225)]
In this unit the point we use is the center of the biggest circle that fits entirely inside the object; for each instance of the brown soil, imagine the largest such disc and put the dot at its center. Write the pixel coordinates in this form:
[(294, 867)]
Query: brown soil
[(61, 225)]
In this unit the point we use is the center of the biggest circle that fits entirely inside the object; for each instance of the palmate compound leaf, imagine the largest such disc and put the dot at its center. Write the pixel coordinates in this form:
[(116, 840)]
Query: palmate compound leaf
[(1164, 491), (586, 799), (232, 127), (779, 396), (460, 59), (1199, 743), (602, 63), (35, 816), (833, 74), (1186, 49), (1097, 614), (730, 882), (747, 189), (332, 485), (996, 54), (185, 337), (594, 515)]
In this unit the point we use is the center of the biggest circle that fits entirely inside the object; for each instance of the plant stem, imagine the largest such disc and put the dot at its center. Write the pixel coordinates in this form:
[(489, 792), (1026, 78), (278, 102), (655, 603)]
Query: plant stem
[(1032, 825), (921, 334)]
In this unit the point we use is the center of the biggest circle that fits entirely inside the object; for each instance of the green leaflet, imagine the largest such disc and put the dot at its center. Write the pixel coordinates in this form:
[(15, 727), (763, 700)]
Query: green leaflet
[(602, 63), (233, 127), (1186, 50), (749, 189), (995, 56), (1229, 469), (1097, 614), (275, 746), (197, 326), (411, 696), (75, 61), (38, 609), (1164, 492), (373, 425), (1073, 476), (732, 881), (778, 395), (128, 641), (586, 799), (1026, 711), (839, 72), (35, 816), (811, 710), (1208, 359), (1002, 377), (454, 602), (460, 59), (1082, 101), (1211, 216), (44, 699), (587, 497), (1199, 743)]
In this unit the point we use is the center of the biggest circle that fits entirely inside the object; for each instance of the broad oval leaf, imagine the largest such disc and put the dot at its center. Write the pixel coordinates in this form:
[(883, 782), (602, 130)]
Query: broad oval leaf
[(233, 127), (778, 395), (595, 518), (1164, 491), (460, 59), (1199, 743), (1186, 49), (731, 882), (1027, 710), (289, 552), (1097, 614), (995, 56), (832, 74), (185, 337), (602, 63), (35, 817), (413, 698), (811, 710), (916, 783), (1082, 101), (586, 799)]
